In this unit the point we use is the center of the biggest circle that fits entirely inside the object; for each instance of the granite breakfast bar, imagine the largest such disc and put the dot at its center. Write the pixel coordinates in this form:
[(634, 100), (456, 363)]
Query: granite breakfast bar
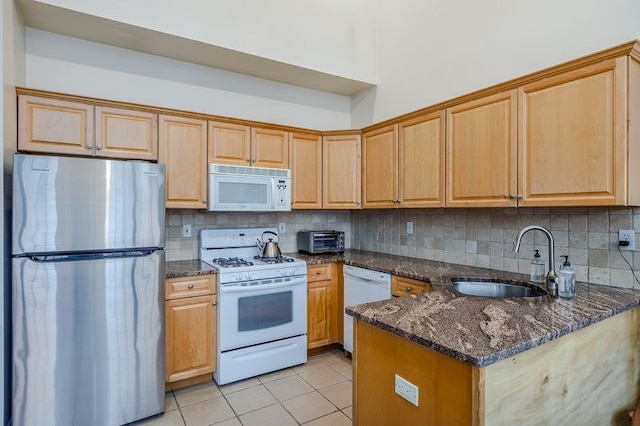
[(493, 360)]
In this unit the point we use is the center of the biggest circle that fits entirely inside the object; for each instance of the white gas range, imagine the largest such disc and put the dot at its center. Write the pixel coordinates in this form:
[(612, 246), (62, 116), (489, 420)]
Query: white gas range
[(262, 305)]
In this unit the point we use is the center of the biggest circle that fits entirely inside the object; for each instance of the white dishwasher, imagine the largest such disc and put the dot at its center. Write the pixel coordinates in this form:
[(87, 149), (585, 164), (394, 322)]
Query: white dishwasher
[(362, 286)]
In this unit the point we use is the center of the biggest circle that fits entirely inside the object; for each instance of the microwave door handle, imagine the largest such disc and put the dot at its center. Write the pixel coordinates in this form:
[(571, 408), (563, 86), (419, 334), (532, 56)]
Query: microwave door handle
[(233, 289)]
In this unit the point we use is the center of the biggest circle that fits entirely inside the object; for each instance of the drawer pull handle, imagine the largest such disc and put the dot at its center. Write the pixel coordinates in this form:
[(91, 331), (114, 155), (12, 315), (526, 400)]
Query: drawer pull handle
[(190, 286), (318, 272), (408, 289)]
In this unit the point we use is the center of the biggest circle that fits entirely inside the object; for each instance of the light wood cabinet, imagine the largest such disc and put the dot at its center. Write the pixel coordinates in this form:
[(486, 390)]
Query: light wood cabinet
[(242, 145), (402, 286), (55, 126), (124, 133), (421, 161), (481, 152), (324, 310), (380, 168), (305, 160), (403, 164), (341, 158), (572, 137), (190, 327), (183, 150)]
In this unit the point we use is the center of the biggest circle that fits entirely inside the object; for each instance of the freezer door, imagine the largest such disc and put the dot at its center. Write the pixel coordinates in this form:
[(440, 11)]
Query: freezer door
[(88, 340), (66, 204)]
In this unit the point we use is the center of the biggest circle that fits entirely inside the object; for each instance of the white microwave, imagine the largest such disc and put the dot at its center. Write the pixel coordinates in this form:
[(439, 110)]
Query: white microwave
[(240, 188)]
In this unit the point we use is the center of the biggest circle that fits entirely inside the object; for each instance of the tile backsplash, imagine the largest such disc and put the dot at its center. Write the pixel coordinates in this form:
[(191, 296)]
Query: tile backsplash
[(484, 237), (476, 237), (179, 248)]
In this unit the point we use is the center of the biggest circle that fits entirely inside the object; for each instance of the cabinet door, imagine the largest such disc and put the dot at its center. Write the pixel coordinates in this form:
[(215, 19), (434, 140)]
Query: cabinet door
[(183, 149), (380, 168), (341, 172), (229, 143), (123, 133), (53, 126), (421, 161), (305, 160), (319, 314), (269, 148), (190, 328), (572, 138), (481, 152)]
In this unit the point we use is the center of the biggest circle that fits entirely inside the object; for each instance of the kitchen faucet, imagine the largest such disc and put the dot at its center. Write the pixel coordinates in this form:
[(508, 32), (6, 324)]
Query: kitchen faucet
[(552, 277)]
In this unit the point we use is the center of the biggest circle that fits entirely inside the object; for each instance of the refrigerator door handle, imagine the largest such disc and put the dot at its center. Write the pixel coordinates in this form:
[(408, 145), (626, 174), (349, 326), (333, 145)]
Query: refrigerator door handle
[(91, 256)]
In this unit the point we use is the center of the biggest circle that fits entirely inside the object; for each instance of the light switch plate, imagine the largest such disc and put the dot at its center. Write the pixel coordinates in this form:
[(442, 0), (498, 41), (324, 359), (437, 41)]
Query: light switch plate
[(186, 231), (282, 228), (409, 228)]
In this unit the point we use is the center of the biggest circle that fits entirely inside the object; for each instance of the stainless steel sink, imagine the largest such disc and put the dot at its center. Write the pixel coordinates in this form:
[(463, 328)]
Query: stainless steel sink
[(495, 288)]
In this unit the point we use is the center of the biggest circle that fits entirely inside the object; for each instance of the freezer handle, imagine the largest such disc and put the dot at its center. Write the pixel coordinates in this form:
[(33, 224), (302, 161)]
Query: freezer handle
[(92, 256)]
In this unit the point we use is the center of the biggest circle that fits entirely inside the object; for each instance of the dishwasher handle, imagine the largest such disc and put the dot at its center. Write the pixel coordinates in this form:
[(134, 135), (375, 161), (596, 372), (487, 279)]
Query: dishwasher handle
[(364, 274)]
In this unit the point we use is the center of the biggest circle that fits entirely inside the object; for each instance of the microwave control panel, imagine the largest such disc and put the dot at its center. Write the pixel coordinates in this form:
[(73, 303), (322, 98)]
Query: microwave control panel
[(283, 194)]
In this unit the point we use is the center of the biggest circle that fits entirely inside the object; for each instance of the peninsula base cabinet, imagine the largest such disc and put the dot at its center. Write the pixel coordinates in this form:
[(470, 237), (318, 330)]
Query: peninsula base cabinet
[(324, 306), (190, 330), (588, 377)]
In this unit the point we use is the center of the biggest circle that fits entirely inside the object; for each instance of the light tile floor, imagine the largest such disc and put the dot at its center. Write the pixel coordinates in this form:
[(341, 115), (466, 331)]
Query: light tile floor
[(316, 393)]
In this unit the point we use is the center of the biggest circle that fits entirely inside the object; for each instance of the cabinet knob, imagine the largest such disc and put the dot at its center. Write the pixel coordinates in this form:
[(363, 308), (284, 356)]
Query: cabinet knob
[(190, 286), (204, 201), (518, 197), (357, 203), (318, 272), (89, 146), (248, 160), (408, 289), (254, 160), (511, 196), (98, 147), (214, 303)]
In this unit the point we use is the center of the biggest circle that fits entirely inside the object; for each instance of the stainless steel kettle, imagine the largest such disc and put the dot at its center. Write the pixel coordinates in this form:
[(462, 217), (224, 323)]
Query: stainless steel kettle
[(270, 248)]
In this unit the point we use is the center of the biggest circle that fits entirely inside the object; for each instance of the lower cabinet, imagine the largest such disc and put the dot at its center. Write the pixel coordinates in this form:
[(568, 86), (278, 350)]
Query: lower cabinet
[(324, 306), (190, 327), (402, 286)]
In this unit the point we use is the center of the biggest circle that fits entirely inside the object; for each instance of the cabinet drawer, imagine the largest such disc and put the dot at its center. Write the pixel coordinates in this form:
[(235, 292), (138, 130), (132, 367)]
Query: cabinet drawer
[(401, 286), (176, 288), (318, 272)]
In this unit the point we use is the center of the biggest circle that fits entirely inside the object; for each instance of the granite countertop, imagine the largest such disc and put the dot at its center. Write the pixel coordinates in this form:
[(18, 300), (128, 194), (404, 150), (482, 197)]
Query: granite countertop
[(477, 330), (187, 268)]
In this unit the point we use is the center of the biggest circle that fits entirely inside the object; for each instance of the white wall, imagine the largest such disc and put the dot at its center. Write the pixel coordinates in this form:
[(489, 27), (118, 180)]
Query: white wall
[(12, 73), (70, 65), (430, 51), (332, 36)]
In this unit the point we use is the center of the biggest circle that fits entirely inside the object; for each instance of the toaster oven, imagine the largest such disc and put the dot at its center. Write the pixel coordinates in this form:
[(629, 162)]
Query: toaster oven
[(315, 242)]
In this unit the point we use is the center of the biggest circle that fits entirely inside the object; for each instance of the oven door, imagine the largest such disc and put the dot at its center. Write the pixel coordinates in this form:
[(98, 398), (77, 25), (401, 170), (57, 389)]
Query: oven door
[(233, 193), (261, 311)]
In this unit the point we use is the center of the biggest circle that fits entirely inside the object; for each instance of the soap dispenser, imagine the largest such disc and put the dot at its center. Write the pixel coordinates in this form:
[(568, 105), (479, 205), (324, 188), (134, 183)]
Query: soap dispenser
[(537, 268), (567, 280)]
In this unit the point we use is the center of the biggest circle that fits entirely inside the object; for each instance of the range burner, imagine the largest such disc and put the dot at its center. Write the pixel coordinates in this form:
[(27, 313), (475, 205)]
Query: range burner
[(271, 260), (231, 262)]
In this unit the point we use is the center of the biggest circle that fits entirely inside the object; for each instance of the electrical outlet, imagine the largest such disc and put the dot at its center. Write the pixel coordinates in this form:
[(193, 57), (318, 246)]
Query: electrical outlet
[(186, 231), (627, 240), (409, 228), (282, 228), (407, 390)]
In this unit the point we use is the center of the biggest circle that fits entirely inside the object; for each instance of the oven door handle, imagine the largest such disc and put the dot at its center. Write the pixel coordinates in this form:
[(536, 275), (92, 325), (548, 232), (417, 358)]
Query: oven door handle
[(240, 289)]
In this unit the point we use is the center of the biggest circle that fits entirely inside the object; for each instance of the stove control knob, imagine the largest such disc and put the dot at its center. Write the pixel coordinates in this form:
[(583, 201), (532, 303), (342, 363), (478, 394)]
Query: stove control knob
[(238, 277), (249, 276), (283, 272), (290, 272)]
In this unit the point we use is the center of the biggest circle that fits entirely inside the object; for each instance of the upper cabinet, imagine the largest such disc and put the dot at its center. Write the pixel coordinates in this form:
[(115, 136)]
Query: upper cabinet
[(421, 161), (124, 133), (55, 126), (481, 152), (183, 150), (62, 127), (305, 160), (380, 168), (341, 171), (403, 164), (248, 146), (572, 137)]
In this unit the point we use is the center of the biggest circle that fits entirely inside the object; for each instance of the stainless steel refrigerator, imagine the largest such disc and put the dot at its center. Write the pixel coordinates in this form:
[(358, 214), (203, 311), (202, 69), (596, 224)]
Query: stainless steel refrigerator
[(88, 276)]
